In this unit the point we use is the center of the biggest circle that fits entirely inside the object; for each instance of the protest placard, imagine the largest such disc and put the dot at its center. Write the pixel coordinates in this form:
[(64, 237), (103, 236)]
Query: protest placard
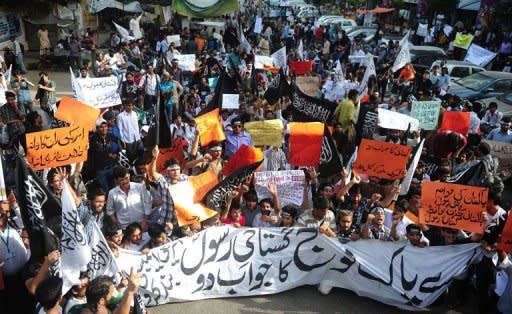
[(77, 113), (266, 132), (176, 39), (456, 121), (382, 159), (453, 206), (289, 184), (176, 151), (211, 128), (57, 147), (479, 55), (258, 25), (397, 121), (99, 92), (505, 242), (427, 113), (309, 85), (230, 101), (279, 58), (187, 210), (462, 40), (305, 143), (261, 61), (301, 67), (186, 62), (502, 151), (203, 183)]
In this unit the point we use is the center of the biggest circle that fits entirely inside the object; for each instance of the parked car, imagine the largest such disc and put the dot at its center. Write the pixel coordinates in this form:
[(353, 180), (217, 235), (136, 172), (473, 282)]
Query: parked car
[(365, 34), (422, 57), (458, 69), (481, 85), (504, 103)]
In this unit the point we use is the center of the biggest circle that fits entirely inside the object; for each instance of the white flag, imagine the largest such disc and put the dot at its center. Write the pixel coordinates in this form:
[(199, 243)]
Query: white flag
[(370, 70), (479, 55), (74, 85), (300, 50), (102, 261), (405, 39), (404, 57), (244, 43), (7, 74), (279, 58), (406, 183), (76, 252), (125, 34), (3, 193)]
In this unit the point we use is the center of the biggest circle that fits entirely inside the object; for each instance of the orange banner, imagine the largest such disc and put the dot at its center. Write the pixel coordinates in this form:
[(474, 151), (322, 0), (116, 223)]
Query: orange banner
[(306, 143), (456, 121), (57, 147), (244, 156), (176, 151), (382, 159), (211, 128), (187, 210), (453, 206), (505, 243), (203, 183), (77, 113)]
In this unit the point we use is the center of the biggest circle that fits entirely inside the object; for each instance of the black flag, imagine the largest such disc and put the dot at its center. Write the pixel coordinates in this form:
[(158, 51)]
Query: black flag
[(330, 162), (159, 131), (225, 85), (37, 206), (305, 108), (216, 198), (277, 88)]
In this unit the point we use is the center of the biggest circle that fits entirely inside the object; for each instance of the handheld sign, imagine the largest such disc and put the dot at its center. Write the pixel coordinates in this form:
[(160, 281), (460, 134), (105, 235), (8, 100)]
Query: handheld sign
[(382, 160), (427, 113), (211, 128), (266, 132), (306, 143), (505, 243), (453, 206)]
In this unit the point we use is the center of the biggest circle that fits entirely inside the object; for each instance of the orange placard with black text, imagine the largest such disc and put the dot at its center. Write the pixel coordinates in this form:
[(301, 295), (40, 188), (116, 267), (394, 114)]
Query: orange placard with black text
[(210, 127), (453, 206), (57, 147), (76, 112), (187, 210), (244, 156), (505, 243), (203, 183), (176, 151), (382, 159), (456, 121), (306, 143)]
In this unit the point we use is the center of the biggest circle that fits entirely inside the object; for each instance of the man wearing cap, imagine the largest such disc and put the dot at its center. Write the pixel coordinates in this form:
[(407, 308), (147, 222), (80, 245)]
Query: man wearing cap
[(103, 149), (236, 138), (13, 117)]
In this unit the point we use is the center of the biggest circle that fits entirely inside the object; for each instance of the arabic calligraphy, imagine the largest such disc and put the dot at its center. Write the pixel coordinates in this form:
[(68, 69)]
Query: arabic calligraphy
[(57, 147)]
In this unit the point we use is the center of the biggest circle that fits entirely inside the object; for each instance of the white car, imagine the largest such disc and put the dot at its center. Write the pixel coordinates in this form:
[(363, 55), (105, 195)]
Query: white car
[(366, 34), (458, 69), (341, 23)]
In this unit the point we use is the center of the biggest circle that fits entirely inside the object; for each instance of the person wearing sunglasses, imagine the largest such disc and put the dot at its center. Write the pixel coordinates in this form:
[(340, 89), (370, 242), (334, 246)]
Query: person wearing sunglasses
[(236, 137)]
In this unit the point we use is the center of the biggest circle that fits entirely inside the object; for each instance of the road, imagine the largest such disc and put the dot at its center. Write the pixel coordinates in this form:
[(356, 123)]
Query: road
[(300, 300)]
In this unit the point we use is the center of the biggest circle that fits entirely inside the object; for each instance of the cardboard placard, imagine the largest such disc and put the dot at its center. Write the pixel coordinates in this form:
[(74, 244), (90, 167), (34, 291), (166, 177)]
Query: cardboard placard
[(382, 159), (266, 132), (211, 128), (453, 206), (306, 140), (57, 147)]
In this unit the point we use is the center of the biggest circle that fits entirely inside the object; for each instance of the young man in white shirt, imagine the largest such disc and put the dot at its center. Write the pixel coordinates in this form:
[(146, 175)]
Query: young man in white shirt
[(129, 201), (128, 124), (149, 83)]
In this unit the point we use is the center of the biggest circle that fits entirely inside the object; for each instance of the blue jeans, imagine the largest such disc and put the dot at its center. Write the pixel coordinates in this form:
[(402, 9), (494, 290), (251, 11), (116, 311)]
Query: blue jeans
[(169, 107), (105, 178), (21, 64)]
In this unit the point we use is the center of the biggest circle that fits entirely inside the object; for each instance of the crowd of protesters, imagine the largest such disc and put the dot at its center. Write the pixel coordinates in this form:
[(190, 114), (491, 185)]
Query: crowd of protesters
[(119, 188)]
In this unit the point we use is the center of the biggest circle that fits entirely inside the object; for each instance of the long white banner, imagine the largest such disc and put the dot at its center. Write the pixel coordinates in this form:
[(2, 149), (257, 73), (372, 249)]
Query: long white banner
[(231, 262), (99, 92)]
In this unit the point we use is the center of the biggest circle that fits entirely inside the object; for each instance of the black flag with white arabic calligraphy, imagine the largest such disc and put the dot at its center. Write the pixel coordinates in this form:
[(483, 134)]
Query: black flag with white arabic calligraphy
[(277, 88), (37, 206), (330, 161), (305, 108), (216, 198)]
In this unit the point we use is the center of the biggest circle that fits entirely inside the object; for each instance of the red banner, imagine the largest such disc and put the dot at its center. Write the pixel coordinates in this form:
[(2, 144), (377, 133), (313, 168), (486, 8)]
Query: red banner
[(244, 156), (301, 67), (306, 143), (456, 121)]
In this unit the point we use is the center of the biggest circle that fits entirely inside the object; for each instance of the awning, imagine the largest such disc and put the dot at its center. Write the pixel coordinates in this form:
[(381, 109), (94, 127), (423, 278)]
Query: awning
[(379, 10), (62, 15), (95, 6), (470, 5)]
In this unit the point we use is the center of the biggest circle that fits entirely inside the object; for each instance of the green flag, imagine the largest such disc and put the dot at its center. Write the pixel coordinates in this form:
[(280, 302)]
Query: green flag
[(201, 9)]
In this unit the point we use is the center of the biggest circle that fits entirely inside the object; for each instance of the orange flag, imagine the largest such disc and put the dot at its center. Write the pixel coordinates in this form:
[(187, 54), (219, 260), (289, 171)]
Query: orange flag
[(306, 143), (203, 183), (453, 206), (382, 159), (244, 156), (211, 128), (57, 147), (187, 210), (77, 113), (456, 121), (176, 151), (505, 243)]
